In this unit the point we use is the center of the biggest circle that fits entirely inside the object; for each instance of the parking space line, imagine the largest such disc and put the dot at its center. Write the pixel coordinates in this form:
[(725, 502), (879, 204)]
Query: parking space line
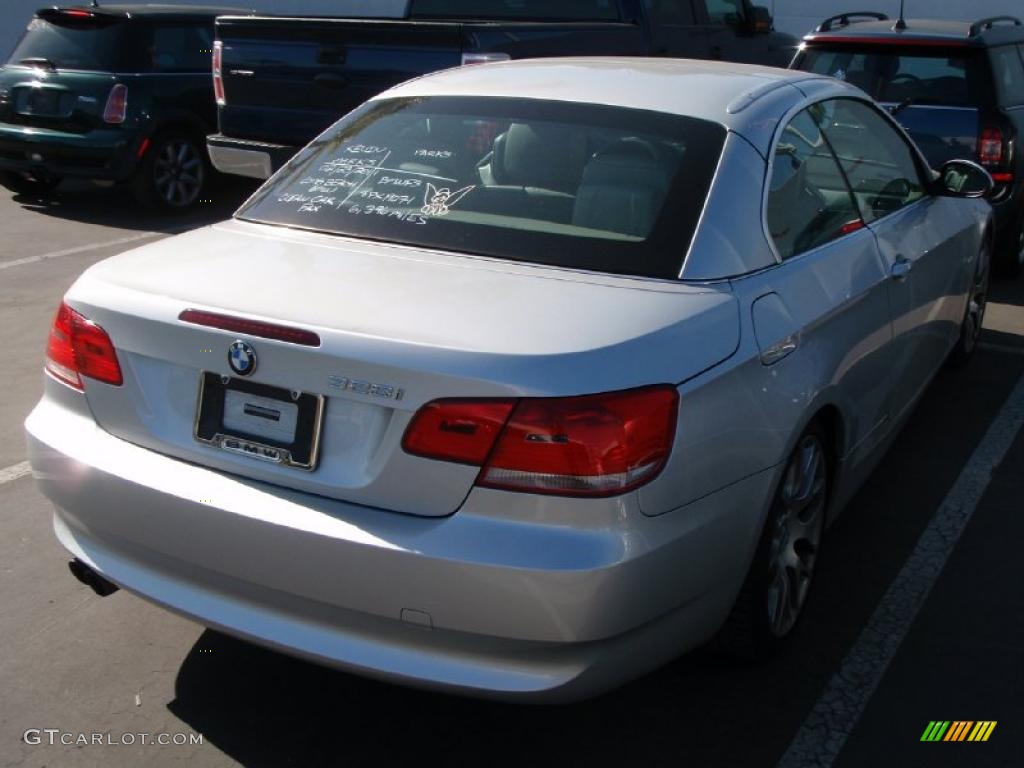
[(78, 249), (7, 474), (824, 732)]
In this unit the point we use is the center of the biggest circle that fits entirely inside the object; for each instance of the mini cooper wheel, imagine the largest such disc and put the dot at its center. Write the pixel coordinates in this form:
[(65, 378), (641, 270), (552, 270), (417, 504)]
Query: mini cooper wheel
[(775, 592), (173, 173), (974, 314), (26, 184)]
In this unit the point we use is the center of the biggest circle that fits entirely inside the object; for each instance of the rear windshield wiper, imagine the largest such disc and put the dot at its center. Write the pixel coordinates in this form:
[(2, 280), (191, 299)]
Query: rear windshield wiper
[(39, 61), (916, 101)]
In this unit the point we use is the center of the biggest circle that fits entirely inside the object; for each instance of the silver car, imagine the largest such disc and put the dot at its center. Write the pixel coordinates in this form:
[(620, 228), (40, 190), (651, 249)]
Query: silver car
[(521, 379)]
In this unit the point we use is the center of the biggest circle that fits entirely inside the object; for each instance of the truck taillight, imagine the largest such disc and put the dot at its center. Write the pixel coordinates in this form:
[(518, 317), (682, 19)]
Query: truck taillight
[(218, 77), (78, 347), (990, 146), (117, 105), (594, 445)]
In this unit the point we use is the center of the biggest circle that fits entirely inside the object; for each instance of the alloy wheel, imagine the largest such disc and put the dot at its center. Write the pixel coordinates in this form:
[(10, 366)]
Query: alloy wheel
[(978, 300), (797, 532), (178, 173)]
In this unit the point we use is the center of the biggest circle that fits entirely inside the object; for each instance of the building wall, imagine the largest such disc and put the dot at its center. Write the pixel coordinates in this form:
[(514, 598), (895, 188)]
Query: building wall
[(795, 16)]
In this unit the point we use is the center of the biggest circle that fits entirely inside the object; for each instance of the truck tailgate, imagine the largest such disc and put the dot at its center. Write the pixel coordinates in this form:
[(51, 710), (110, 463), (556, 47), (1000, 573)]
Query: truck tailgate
[(287, 79)]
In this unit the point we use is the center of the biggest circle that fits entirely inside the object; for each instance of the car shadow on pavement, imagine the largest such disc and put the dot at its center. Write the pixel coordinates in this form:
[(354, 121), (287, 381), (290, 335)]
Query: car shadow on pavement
[(1007, 291), (114, 206), (265, 709)]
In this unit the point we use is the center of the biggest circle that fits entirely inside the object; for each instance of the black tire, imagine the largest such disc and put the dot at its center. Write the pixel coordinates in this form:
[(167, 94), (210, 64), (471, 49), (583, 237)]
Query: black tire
[(26, 184), (772, 601), (174, 173), (974, 313)]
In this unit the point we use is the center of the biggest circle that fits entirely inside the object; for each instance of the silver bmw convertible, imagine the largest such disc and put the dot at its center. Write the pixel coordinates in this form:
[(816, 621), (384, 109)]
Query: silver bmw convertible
[(521, 379)]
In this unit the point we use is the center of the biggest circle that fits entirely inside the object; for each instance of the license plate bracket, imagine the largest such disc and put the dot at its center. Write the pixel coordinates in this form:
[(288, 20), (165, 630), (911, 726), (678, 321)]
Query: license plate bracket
[(260, 421)]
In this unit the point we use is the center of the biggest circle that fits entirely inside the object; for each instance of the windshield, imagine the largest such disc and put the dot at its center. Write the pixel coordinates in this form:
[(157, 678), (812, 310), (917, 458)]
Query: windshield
[(571, 185), (893, 75), (87, 44)]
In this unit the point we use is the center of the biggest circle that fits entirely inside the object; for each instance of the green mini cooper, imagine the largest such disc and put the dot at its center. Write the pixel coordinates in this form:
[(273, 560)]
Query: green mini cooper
[(118, 93)]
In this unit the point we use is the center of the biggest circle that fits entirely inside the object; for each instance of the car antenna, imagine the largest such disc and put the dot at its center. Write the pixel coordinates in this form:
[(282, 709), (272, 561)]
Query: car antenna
[(900, 24)]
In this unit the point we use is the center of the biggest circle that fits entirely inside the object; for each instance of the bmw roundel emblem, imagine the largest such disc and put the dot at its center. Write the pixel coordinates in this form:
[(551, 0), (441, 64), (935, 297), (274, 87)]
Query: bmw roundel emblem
[(242, 358)]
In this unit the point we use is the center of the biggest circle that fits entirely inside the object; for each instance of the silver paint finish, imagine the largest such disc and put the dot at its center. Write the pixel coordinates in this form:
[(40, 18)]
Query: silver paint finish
[(527, 596)]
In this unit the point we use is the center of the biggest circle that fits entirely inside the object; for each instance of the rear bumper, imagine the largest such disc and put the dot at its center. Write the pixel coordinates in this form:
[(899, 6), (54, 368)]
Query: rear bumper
[(101, 154), (473, 602), (241, 157)]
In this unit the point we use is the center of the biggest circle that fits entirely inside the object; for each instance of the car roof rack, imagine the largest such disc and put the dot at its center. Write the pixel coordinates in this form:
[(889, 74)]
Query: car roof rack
[(848, 18), (985, 24)]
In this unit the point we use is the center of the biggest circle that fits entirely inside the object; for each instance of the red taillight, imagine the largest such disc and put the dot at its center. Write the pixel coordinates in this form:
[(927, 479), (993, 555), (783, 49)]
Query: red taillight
[(595, 445), (463, 431), (218, 77), (117, 105), (77, 14), (990, 146), (77, 346)]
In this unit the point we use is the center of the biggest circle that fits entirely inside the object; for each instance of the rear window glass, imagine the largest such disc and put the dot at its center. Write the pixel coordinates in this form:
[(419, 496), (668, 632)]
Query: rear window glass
[(77, 44), (523, 10), (893, 75), (572, 185)]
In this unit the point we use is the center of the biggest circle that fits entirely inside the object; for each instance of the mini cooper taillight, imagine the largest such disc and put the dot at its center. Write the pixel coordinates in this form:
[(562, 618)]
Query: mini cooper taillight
[(78, 347), (593, 445), (990, 147), (117, 105)]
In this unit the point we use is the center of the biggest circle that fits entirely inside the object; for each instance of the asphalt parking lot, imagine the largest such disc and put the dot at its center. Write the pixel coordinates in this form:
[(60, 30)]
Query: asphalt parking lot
[(918, 613)]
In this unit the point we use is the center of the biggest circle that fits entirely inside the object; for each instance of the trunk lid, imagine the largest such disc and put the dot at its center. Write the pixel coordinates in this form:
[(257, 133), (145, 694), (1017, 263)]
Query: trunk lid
[(398, 326), (286, 80)]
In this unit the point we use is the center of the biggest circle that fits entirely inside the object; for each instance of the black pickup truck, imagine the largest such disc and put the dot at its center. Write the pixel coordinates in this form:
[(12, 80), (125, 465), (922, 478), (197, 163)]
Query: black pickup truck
[(281, 81)]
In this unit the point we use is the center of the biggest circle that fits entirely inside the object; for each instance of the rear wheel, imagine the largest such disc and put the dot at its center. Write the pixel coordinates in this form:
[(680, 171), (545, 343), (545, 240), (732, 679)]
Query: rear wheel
[(974, 314), (26, 184), (173, 174), (775, 592)]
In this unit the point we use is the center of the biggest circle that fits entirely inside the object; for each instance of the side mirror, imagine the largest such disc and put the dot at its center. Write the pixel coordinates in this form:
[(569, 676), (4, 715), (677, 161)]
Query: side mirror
[(758, 20), (963, 178)]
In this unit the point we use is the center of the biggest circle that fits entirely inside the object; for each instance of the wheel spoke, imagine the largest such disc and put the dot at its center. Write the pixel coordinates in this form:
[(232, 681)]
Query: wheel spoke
[(798, 524)]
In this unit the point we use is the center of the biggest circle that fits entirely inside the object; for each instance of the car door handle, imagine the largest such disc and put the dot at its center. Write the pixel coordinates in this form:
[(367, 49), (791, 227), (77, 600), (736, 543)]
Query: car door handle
[(901, 269)]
